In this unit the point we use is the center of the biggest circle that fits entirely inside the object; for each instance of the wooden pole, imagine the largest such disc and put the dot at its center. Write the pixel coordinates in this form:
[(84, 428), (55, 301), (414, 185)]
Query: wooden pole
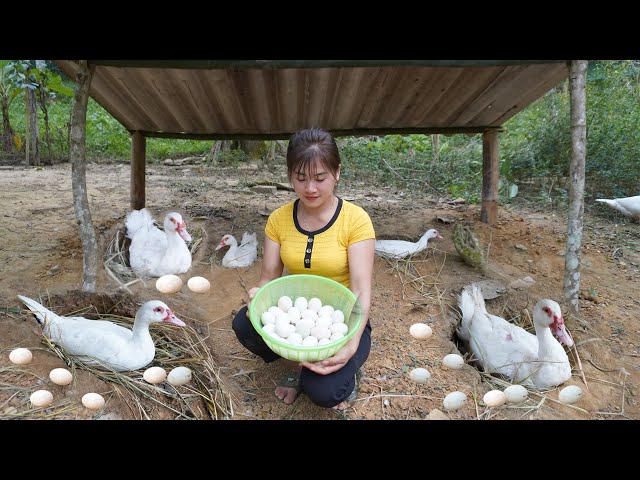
[(490, 176), (78, 177), (138, 163), (578, 87)]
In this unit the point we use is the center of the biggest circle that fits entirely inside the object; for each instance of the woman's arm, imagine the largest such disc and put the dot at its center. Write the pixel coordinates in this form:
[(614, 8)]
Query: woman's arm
[(361, 273)]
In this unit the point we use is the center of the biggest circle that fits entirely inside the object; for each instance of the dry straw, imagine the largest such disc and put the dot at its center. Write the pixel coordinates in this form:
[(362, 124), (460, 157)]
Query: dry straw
[(206, 396)]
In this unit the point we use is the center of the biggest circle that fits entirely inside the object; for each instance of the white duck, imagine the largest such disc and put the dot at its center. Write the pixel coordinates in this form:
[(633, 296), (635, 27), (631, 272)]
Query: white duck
[(400, 249), (504, 348), (241, 255), (153, 252), (101, 342), (630, 206)]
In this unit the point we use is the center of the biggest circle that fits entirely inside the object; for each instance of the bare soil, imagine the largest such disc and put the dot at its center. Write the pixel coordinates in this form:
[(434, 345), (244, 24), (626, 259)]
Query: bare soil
[(41, 256)]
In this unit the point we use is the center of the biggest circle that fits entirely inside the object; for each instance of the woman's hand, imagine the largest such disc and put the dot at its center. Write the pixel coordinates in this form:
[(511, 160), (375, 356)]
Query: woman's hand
[(251, 293), (335, 363)]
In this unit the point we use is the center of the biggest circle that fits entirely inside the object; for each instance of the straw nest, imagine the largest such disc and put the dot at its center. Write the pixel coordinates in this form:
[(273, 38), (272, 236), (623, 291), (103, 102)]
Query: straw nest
[(206, 396), (116, 258)]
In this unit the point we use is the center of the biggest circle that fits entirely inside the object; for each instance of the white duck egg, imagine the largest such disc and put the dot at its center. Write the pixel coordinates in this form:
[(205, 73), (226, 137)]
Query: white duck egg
[(20, 356), (169, 284), (199, 284), (453, 361), (93, 401), (324, 322), (304, 326), (275, 310), (310, 341), (301, 304), (337, 316), (269, 328), (268, 318), (60, 376), (309, 314), (570, 394), (454, 401), (295, 338), (324, 341), (155, 375), (421, 331), (326, 311), (293, 314), (336, 336), (285, 303), (314, 304), (320, 332), (179, 376), (282, 326), (420, 375), (41, 398), (516, 394), (494, 398), (339, 328)]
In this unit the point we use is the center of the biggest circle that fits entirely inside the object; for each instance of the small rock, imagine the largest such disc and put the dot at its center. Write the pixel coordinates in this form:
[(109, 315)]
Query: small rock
[(436, 414), (519, 246)]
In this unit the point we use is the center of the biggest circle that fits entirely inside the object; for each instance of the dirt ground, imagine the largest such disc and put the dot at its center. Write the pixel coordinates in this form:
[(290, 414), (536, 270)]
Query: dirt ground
[(41, 255)]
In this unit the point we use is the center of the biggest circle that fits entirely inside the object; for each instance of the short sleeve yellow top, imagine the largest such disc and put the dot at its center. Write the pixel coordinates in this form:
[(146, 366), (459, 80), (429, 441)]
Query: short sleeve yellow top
[(322, 252)]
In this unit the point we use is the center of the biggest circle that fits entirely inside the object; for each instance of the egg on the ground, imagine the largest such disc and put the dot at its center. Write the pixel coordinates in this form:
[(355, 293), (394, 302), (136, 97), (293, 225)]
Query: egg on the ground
[(494, 398), (199, 284), (516, 393), (155, 375), (570, 394), (41, 398), (169, 283), (179, 376), (421, 331), (454, 401), (420, 375), (60, 376), (453, 361), (93, 401), (20, 356)]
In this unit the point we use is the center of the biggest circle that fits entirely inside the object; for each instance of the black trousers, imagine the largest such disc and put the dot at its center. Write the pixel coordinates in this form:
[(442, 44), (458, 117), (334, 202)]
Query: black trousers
[(323, 390)]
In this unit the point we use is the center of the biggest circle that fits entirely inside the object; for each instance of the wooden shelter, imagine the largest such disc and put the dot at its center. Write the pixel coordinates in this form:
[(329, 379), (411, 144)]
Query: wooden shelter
[(271, 99)]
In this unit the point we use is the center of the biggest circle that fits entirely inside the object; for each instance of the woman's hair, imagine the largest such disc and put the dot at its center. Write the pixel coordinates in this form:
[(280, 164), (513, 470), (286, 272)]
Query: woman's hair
[(312, 144)]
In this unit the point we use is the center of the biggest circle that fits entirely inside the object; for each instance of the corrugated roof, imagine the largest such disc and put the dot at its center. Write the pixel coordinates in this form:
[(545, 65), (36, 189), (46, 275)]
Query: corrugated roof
[(261, 99)]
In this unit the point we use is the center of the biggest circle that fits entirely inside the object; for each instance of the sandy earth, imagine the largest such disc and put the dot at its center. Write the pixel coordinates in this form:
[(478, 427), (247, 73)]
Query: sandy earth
[(41, 255)]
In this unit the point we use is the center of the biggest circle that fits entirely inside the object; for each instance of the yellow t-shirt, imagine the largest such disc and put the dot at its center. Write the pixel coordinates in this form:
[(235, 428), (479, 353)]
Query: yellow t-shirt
[(322, 252)]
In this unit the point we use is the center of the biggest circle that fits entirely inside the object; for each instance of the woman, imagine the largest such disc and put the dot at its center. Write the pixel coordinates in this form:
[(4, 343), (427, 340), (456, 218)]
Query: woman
[(318, 234)]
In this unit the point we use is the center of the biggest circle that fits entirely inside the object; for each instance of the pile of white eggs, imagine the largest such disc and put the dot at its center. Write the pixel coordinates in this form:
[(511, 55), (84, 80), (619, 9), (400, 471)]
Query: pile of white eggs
[(305, 323)]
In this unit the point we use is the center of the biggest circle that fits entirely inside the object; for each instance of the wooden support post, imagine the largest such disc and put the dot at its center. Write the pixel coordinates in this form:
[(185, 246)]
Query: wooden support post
[(138, 163), (578, 85), (490, 176)]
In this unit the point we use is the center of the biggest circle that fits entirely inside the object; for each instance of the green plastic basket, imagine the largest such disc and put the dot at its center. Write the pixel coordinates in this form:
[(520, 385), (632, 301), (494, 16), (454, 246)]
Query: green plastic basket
[(327, 290)]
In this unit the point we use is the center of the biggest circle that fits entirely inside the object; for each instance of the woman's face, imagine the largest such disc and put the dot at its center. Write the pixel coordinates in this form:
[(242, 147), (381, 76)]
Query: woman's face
[(315, 185)]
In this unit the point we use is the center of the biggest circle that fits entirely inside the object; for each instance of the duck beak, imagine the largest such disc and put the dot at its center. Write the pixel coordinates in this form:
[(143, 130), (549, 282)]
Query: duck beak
[(171, 318), (182, 231), (557, 327), (221, 245)]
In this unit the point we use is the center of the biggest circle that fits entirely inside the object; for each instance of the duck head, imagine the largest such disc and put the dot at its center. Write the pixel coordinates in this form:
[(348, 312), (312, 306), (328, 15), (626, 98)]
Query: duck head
[(226, 241), (173, 223), (547, 313), (155, 311)]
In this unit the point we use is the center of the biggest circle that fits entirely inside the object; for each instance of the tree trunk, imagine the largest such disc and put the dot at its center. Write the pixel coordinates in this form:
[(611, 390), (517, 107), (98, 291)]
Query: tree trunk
[(577, 79), (33, 127), (435, 144), (8, 133), (78, 178), (254, 149)]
